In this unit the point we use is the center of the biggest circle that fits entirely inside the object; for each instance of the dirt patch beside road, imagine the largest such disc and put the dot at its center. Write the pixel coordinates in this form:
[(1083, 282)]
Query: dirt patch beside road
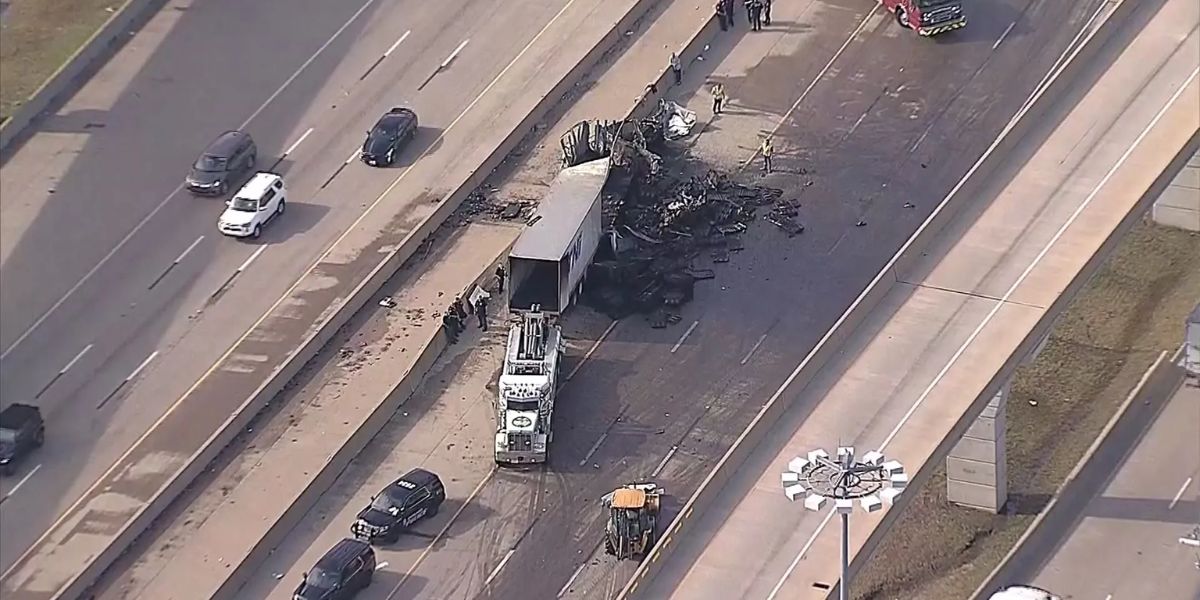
[(38, 36), (1133, 309)]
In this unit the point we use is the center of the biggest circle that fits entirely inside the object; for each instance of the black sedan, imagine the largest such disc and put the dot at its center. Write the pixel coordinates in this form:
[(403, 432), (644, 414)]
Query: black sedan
[(387, 138)]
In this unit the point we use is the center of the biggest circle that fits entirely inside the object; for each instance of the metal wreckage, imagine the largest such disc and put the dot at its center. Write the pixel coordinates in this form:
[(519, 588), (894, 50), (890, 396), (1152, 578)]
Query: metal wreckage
[(660, 221)]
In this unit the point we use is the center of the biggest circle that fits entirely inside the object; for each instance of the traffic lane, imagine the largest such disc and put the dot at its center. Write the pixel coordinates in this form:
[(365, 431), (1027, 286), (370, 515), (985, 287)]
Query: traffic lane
[(210, 331), (141, 142), (1139, 516), (848, 256), (171, 443), (665, 583), (187, 218)]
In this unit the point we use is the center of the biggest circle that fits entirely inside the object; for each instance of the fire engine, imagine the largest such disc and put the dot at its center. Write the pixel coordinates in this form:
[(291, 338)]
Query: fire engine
[(927, 17)]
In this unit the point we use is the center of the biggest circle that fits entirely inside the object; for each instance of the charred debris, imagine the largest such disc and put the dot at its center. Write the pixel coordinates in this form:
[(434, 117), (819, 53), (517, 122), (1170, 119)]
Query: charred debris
[(665, 218)]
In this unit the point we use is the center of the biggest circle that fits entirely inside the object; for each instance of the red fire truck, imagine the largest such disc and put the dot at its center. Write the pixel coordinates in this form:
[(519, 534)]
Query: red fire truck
[(927, 17)]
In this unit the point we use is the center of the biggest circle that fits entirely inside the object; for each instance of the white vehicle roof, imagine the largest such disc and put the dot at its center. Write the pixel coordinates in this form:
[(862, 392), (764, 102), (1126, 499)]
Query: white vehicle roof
[(258, 185), (1022, 592)]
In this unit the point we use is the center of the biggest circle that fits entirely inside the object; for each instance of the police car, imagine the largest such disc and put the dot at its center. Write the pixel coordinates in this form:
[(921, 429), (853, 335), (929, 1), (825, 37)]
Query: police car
[(418, 495)]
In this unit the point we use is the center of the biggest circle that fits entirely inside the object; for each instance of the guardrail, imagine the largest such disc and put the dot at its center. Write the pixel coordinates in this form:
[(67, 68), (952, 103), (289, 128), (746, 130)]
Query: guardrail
[(67, 78), (1061, 86)]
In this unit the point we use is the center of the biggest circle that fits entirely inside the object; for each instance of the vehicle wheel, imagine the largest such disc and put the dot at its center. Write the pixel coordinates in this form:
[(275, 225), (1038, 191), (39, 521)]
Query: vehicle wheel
[(253, 161), (257, 232), (367, 580), (8, 470), (282, 207), (608, 546), (902, 17), (392, 537), (222, 188), (40, 439)]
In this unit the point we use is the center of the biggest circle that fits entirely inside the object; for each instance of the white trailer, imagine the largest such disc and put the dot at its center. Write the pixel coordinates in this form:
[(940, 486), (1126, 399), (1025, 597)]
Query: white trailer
[(528, 382), (546, 266)]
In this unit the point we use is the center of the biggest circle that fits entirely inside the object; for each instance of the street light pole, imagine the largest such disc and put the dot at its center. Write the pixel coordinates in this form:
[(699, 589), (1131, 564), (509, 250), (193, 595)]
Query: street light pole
[(873, 481)]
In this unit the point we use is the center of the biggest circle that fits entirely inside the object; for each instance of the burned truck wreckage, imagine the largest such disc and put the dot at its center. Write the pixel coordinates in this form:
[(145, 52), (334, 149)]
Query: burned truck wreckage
[(661, 220)]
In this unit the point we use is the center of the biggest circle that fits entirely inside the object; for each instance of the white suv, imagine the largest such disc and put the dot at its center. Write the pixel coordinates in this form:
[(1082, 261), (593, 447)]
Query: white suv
[(259, 201)]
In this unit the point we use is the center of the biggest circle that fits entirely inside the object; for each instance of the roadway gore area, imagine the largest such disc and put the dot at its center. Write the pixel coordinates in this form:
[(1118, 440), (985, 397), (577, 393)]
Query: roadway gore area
[(1132, 310), (40, 35)]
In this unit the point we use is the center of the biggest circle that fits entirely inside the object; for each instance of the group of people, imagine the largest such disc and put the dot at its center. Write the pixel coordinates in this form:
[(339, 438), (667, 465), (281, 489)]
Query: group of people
[(758, 13), (454, 319)]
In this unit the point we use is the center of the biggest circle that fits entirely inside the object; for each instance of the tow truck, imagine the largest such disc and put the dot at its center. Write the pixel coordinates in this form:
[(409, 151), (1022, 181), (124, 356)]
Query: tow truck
[(632, 526), (927, 17), (527, 387)]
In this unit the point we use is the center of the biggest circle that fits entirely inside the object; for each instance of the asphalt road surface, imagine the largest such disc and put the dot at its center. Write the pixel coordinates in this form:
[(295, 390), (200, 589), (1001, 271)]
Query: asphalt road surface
[(891, 120), (118, 292), (1138, 518)]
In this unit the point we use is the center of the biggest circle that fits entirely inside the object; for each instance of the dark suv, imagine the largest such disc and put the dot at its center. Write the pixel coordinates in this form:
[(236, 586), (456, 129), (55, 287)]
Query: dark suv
[(417, 495), (387, 138), (341, 573), (233, 153), (21, 431)]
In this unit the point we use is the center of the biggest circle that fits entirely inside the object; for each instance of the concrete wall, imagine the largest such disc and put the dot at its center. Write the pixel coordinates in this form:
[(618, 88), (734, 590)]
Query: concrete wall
[(76, 70), (1179, 204)]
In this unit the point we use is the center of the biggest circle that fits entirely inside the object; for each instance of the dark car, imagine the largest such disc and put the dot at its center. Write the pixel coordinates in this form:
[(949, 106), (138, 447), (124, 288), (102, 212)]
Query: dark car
[(387, 138), (341, 573), (417, 495), (21, 431), (233, 153)]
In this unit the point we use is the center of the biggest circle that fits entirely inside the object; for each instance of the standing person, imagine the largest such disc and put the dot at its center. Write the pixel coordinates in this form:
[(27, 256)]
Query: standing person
[(718, 97), (450, 327), (459, 310), (730, 11), (767, 151), (500, 278), (766, 12), (756, 15), (481, 312), (677, 68), (719, 8)]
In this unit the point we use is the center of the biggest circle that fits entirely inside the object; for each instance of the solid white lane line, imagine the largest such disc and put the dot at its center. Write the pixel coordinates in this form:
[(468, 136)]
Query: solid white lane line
[(139, 368), (146, 219), (398, 42), (1189, 541), (820, 74), (296, 143), (252, 257), (664, 461), (441, 534), (593, 449), (684, 337), (20, 483), (381, 566), (450, 59), (187, 251), (567, 586), (496, 571), (746, 358), (588, 354), (353, 155), (1000, 39), (1183, 488), (1000, 303), (76, 359), (296, 284)]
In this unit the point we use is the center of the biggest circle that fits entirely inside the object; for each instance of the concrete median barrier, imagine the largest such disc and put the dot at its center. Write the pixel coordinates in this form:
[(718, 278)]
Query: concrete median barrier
[(54, 569), (71, 74), (1066, 82)]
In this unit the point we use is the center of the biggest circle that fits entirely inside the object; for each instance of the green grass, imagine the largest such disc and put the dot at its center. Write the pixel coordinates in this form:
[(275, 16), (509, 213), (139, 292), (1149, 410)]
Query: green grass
[(38, 36), (1133, 309)]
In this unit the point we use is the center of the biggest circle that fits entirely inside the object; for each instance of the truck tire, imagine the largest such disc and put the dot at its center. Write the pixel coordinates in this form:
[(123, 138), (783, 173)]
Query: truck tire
[(608, 546)]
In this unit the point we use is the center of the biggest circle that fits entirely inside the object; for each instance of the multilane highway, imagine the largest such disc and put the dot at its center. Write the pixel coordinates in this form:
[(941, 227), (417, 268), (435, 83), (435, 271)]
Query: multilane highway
[(118, 293), (884, 124)]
